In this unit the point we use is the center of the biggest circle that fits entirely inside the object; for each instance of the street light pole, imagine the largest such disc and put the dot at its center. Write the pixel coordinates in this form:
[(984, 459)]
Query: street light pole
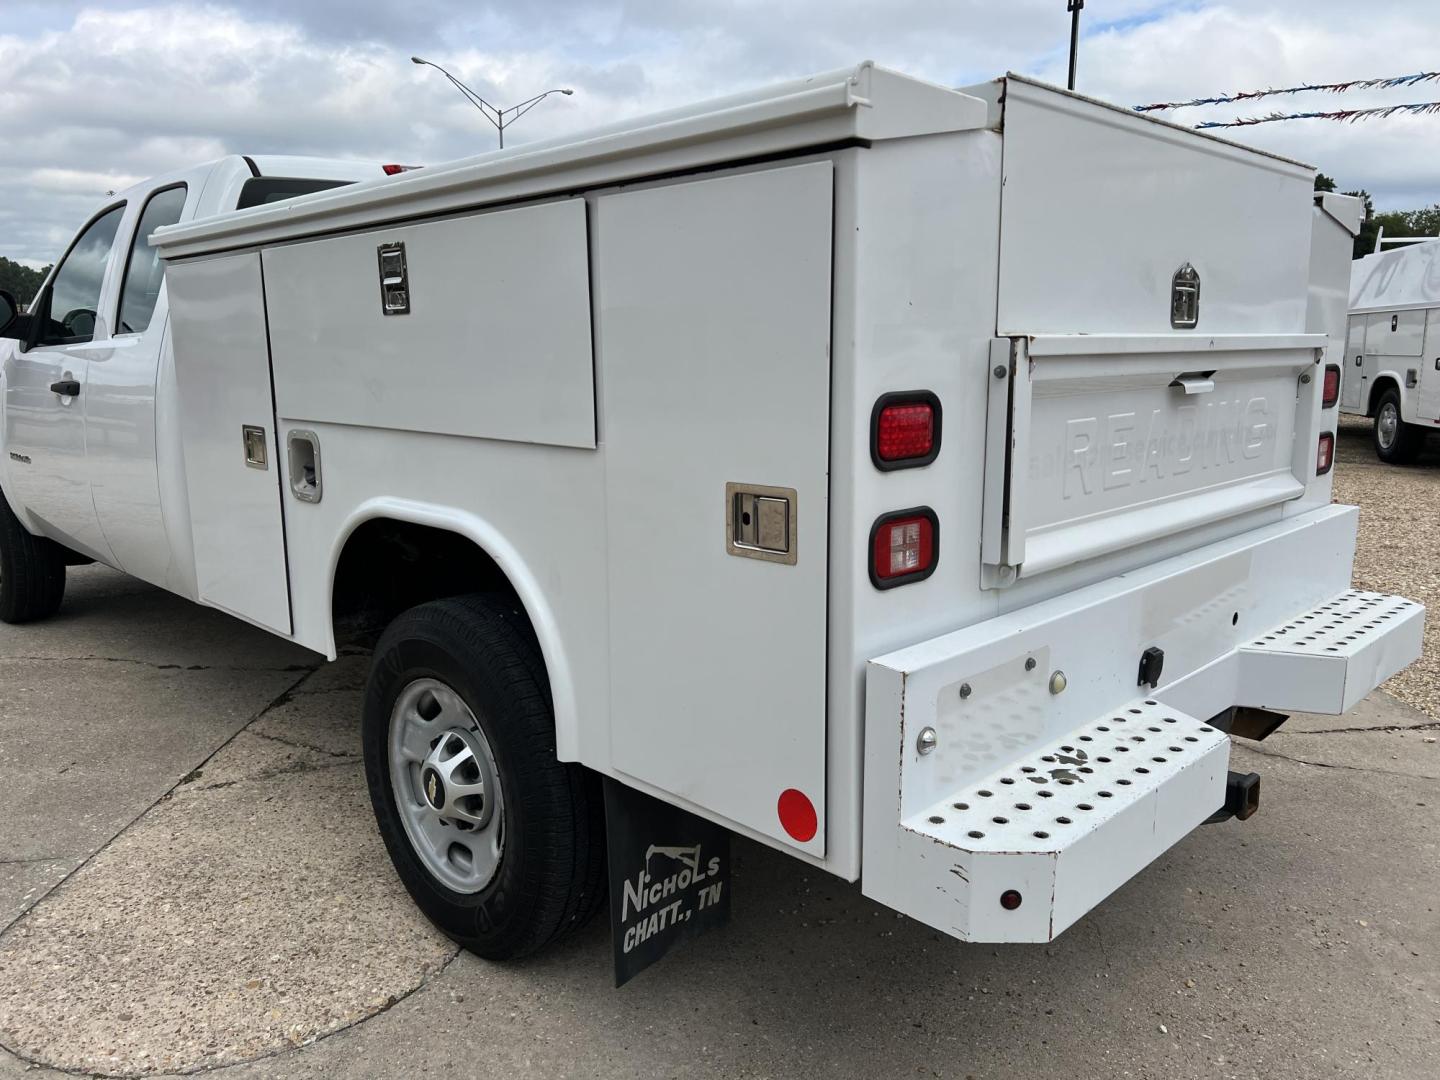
[(1074, 6), (501, 118)]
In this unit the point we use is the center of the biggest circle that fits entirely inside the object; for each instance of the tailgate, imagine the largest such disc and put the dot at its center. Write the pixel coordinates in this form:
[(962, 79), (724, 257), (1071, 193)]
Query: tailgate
[(1151, 371), (1097, 443)]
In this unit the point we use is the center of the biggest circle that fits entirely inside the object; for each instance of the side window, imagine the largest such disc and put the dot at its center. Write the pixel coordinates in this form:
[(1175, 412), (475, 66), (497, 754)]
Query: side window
[(75, 289), (144, 272)]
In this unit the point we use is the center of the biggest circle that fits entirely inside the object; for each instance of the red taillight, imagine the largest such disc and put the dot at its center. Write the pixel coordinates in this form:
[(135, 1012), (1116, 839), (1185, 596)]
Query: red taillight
[(1331, 393), (1325, 454), (905, 430), (903, 547), (393, 170)]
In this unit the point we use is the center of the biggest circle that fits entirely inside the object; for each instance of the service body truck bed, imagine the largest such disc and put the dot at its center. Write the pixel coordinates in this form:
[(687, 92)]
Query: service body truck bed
[(644, 381), (1392, 352)]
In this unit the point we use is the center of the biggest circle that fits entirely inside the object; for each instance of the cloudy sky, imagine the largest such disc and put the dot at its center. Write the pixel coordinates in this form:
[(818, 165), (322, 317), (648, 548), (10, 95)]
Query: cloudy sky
[(97, 95)]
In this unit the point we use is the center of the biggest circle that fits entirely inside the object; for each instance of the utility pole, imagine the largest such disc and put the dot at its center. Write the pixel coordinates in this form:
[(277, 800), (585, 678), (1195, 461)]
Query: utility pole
[(1074, 6), (501, 118)]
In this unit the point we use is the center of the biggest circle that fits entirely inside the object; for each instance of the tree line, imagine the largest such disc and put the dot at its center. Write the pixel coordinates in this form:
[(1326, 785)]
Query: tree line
[(20, 281)]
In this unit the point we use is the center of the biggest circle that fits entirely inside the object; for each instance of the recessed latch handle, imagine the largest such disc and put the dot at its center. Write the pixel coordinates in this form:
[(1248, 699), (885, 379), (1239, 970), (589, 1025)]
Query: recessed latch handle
[(1194, 382)]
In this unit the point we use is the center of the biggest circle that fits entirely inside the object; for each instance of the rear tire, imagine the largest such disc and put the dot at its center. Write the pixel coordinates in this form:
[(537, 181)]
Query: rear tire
[(1396, 442), (458, 721), (32, 571)]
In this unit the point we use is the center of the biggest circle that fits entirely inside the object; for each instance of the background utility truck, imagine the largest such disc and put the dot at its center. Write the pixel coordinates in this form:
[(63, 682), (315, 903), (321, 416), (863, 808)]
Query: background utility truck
[(819, 460), (1392, 348)]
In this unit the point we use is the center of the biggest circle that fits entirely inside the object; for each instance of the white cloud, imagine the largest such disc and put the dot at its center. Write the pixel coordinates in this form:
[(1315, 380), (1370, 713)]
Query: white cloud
[(100, 92)]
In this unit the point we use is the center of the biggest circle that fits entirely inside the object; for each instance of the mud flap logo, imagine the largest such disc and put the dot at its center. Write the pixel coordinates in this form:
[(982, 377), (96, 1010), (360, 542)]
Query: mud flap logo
[(669, 877)]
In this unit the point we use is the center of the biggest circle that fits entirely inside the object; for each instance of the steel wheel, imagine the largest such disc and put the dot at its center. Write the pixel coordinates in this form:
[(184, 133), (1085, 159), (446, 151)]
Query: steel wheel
[(446, 785), (1387, 425)]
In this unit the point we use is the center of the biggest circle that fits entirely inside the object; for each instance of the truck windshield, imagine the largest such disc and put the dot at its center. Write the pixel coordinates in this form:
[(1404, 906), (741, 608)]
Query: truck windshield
[(268, 189)]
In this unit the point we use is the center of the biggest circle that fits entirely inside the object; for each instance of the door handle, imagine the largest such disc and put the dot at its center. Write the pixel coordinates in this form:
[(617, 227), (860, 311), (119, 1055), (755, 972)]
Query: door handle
[(65, 388), (1357, 361)]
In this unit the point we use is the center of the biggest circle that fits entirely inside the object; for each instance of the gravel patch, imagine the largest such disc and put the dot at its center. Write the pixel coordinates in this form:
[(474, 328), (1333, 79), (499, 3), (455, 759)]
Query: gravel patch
[(1398, 550)]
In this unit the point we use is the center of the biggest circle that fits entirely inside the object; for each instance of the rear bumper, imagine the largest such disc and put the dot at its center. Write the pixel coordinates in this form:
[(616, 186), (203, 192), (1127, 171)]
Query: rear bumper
[(1060, 787)]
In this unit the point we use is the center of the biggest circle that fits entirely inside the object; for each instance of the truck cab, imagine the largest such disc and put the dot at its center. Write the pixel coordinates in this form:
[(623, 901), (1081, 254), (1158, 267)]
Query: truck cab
[(92, 458)]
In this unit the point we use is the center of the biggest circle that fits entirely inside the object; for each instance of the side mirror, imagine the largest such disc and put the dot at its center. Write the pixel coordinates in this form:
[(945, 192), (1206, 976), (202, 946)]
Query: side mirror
[(20, 326)]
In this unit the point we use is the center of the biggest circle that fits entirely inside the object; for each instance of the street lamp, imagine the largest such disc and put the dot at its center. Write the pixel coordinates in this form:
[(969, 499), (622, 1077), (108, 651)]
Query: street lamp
[(501, 118)]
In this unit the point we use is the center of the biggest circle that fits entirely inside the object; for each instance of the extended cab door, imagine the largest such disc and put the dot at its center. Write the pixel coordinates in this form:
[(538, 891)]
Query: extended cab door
[(46, 469), (120, 421)]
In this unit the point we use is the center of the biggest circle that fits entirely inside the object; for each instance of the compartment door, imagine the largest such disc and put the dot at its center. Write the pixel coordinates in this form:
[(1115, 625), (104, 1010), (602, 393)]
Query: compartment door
[(1352, 377), (713, 334), (1427, 404), (227, 423)]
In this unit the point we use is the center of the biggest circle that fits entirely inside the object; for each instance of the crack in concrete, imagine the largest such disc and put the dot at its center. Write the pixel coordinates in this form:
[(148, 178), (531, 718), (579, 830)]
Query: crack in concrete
[(152, 664), (36, 859), (1266, 752), (1429, 725), (390, 1003), (298, 745), (276, 702)]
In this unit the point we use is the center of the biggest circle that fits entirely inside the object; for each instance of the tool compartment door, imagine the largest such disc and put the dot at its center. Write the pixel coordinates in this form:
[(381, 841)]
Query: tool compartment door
[(712, 336), (227, 419)]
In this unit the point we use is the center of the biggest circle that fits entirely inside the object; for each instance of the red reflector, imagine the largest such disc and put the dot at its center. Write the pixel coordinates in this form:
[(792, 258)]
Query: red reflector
[(1325, 454), (904, 431), (392, 170), (902, 547), (1331, 392), (1010, 899), (797, 814)]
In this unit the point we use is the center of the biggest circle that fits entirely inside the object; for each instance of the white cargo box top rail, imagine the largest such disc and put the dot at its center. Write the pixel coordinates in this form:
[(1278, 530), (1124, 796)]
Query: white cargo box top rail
[(1404, 279), (866, 103)]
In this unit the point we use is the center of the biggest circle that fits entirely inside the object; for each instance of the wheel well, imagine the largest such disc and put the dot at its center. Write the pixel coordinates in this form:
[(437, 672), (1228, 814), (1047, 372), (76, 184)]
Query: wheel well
[(1381, 385), (389, 566)]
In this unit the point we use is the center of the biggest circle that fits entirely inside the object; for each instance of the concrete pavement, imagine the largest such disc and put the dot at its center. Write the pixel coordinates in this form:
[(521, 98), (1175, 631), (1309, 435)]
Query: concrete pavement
[(194, 787)]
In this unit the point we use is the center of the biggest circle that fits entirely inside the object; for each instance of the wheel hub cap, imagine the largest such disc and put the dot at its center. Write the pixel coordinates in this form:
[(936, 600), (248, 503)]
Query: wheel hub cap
[(1388, 424), (446, 785)]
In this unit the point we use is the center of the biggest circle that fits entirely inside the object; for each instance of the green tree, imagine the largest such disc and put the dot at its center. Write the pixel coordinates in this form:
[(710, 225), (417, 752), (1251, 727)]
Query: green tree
[(20, 281), (1424, 222), (1365, 239)]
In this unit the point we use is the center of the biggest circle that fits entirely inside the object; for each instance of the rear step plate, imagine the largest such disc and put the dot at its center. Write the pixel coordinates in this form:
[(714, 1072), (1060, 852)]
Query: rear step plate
[(1326, 660), (1067, 824)]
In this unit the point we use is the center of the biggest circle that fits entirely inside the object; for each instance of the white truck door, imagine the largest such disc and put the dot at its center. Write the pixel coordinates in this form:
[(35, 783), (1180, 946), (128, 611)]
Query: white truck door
[(227, 420), (1352, 379), (45, 395), (120, 401), (712, 347)]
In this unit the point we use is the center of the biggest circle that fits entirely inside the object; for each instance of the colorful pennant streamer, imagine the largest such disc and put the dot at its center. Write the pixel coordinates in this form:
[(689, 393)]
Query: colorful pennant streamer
[(1349, 116), (1333, 88)]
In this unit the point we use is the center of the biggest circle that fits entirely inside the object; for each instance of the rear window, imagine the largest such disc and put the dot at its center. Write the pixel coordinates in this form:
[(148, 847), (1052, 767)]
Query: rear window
[(268, 189)]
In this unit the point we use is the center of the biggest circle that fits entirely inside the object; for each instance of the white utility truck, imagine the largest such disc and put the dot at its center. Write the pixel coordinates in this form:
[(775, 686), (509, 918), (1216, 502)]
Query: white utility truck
[(924, 483), (1392, 350)]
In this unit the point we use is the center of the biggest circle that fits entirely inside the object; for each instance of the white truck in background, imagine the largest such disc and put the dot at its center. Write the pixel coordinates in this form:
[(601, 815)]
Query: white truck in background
[(822, 460), (1392, 349)]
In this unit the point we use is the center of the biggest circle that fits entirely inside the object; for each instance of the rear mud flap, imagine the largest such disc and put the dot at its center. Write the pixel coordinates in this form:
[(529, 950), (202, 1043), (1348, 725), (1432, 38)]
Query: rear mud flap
[(669, 877)]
